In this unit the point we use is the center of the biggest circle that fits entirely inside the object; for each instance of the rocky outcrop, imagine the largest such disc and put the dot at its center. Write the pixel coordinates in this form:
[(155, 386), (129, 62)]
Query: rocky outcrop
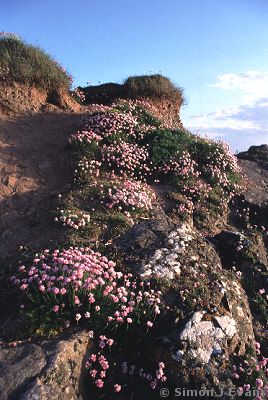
[(213, 316), (48, 370), (254, 164)]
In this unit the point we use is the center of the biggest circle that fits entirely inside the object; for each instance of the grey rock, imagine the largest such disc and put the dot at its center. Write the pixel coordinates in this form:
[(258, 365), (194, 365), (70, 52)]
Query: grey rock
[(18, 366), (7, 234), (52, 370), (44, 167)]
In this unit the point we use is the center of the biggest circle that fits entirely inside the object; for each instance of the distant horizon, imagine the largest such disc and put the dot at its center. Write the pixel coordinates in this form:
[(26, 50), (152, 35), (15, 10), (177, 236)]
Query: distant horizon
[(216, 51)]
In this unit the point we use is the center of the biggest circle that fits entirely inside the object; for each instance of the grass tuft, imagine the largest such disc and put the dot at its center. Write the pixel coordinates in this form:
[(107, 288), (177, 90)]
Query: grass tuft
[(23, 63), (153, 86)]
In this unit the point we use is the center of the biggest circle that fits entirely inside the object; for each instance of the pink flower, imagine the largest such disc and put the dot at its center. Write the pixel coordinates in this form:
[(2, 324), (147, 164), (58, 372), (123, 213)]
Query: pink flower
[(93, 373), (24, 286), (99, 383), (259, 383), (42, 288), (110, 342), (56, 308), (117, 388), (149, 324)]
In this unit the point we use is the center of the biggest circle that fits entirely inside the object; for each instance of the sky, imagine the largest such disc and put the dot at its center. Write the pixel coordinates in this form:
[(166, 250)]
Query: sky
[(216, 50)]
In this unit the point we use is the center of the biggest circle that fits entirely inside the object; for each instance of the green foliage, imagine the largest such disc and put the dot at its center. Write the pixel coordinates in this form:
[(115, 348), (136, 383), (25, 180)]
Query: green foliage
[(165, 144), (24, 63)]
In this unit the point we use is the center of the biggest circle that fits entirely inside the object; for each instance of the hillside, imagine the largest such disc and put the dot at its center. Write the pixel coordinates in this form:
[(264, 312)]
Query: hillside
[(133, 253)]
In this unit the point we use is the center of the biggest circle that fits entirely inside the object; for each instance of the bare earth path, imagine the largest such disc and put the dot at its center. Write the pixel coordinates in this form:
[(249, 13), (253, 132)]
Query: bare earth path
[(34, 167)]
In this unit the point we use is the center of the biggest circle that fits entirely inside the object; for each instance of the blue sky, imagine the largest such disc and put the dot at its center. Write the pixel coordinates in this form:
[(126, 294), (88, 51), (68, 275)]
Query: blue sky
[(215, 49)]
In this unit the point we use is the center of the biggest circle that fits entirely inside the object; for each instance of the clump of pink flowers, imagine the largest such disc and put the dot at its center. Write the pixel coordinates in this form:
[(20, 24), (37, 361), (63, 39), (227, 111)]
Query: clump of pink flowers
[(82, 285), (130, 194), (127, 159), (87, 169), (122, 137), (102, 367), (73, 219)]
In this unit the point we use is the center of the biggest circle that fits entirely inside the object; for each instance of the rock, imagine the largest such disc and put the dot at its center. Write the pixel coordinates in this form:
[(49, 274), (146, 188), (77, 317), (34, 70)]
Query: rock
[(7, 234), (255, 153), (206, 335), (52, 370), (242, 251), (254, 164), (44, 167), (205, 338), (18, 366), (164, 264), (141, 241)]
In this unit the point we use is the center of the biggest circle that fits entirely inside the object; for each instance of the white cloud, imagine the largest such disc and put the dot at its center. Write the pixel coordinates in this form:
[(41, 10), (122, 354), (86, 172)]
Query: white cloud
[(244, 125), (252, 84)]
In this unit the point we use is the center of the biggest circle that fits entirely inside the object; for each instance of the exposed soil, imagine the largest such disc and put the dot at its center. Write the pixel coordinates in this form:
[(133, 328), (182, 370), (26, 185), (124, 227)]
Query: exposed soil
[(34, 167)]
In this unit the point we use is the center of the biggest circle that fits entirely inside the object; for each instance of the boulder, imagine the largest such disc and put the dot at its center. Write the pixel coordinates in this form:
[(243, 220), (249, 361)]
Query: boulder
[(49, 370)]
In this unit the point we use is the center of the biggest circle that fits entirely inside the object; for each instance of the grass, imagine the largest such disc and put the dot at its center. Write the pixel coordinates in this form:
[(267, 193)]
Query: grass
[(153, 86), (23, 63), (136, 87)]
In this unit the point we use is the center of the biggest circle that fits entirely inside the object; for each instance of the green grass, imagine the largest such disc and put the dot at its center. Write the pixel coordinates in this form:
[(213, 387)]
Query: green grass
[(23, 63), (153, 86)]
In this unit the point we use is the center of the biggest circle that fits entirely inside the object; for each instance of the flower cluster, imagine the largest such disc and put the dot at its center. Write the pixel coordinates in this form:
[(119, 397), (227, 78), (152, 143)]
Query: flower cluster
[(130, 194), (251, 375), (87, 168), (128, 141), (101, 368), (182, 166), (98, 365), (86, 137), (9, 35), (128, 158), (80, 284), (154, 379), (75, 220), (111, 123)]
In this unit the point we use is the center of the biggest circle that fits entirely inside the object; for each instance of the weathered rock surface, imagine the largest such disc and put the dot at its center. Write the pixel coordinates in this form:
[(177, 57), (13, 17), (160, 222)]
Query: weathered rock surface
[(18, 366), (207, 338), (214, 319), (254, 164), (49, 370)]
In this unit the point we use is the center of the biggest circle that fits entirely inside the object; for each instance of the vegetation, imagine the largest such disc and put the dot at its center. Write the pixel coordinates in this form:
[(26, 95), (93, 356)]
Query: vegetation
[(152, 86), (136, 87), (23, 63)]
